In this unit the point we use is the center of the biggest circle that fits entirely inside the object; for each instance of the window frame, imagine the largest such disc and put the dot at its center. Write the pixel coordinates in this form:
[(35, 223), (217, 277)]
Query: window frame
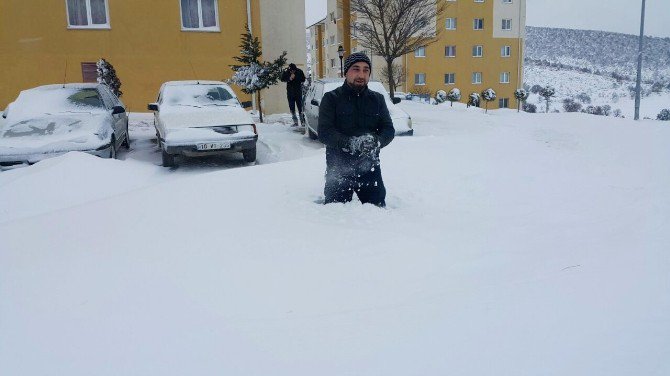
[(506, 51), (418, 49), (448, 48), (476, 22), (417, 75), (453, 21), (89, 17), (478, 48), (452, 76), (503, 102), (479, 75), (503, 76), (507, 1), (200, 28), (509, 20)]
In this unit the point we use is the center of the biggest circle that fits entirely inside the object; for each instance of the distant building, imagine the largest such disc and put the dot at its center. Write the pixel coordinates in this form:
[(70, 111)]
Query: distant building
[(480, 46), (148, 42)]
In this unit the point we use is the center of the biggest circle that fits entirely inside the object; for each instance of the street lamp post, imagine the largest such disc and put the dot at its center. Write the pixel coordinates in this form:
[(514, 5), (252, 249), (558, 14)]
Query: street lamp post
[(340, 51), (638, 85)]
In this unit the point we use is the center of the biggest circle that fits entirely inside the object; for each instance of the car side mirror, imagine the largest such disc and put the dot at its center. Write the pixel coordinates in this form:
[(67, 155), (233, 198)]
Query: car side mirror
[(314, 102), (247, 104), (118, 110), (4, 114), (152, 106), (396, 100)]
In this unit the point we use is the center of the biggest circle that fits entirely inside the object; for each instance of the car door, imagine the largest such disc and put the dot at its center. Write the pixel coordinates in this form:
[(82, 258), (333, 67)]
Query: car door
[(124, 116), (117, 120), (313, 102)]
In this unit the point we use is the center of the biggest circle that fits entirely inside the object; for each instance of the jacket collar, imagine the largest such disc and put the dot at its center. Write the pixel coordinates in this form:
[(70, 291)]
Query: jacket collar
[(350, 91)]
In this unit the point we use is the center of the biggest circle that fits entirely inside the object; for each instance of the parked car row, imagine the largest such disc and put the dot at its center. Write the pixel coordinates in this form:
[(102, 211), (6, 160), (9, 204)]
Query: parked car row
[(402, 122), (192, 118)]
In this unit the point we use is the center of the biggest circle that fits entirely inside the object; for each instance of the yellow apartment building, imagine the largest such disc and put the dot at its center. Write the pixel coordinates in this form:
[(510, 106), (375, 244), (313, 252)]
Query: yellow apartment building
[(147, 41), (480, 45)]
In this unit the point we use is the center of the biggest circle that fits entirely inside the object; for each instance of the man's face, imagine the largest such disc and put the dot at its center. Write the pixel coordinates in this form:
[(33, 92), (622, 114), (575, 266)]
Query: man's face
[(358, 75)]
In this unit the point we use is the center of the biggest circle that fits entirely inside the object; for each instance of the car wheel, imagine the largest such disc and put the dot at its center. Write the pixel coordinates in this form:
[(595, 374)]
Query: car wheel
[(168, 159), (112, 151), (249, 155), (126, 142)]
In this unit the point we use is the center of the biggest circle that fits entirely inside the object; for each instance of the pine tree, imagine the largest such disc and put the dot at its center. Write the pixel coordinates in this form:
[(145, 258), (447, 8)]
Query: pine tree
[(107, 76), (252, 74)]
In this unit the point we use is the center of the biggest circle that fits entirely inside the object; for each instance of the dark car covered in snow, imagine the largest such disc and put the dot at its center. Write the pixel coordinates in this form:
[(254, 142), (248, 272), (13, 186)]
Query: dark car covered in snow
[(52, 120)]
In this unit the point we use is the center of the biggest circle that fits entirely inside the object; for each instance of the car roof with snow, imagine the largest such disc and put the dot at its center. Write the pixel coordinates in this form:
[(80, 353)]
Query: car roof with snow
[(194, 82), (82, 85)]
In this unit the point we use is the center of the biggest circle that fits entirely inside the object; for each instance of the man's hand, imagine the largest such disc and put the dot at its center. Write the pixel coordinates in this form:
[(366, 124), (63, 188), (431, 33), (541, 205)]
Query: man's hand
[(292, 75), (365, 145)]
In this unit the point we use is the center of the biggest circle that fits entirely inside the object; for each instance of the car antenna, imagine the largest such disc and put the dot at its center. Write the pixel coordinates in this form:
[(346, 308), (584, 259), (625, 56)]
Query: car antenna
[(65, 75), (193, 69)]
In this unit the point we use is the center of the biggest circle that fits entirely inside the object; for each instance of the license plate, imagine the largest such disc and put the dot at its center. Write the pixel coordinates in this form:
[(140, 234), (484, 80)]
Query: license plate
[(213, 146)]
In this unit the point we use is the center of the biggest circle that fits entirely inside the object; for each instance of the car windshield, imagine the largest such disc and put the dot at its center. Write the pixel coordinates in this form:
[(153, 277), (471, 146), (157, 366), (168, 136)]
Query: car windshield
[(40, 102), (198, 96)]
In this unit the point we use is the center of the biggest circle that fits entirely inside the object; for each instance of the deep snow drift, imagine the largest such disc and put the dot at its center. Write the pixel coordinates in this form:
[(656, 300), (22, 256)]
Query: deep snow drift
[(513, 244)]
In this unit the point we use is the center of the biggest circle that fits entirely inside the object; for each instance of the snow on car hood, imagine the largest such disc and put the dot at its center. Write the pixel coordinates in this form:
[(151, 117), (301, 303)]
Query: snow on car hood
[(181, 117), (53, 133)]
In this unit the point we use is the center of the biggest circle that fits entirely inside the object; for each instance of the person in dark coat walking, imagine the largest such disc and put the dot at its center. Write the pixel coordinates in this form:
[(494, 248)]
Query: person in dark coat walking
[(294, 77), (354, 124)]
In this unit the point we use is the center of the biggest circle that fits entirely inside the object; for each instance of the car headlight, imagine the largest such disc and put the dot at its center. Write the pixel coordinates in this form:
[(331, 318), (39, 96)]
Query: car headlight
[(409, 122)]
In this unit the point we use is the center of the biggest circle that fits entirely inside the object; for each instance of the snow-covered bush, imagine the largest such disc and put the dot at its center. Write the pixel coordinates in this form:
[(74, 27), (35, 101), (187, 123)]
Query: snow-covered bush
[(488, 95), (473, 100), (440, 96), (605, 110), (617, 113), (107, 76), (584, 98), (521, 95), (454, 96), (570, 105), (535, 89), (547, 93), (529, 107), (664, 115)]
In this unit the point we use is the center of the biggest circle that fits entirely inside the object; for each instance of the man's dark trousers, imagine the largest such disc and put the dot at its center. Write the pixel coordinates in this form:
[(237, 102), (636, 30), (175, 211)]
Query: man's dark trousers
[(346, 175)]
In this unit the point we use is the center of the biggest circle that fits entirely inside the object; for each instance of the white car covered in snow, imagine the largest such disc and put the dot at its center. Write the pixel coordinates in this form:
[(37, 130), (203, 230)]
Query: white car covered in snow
[(198, 118), (51, 120), (402, 122)]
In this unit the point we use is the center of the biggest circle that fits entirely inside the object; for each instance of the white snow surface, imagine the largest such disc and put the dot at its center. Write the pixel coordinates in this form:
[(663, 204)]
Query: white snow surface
[(512, 244)]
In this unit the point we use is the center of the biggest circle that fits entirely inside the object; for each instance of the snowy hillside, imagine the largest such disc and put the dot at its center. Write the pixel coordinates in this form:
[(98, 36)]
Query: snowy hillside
[(599, 67), (513, 244)]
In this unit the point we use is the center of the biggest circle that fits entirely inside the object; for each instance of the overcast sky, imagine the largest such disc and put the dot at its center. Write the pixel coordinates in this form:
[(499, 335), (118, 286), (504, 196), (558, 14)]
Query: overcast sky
[(621, 16)]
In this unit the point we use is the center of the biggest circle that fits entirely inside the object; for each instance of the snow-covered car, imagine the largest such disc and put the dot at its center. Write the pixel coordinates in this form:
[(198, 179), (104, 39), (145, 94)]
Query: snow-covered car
[(198, 118), (402, 122), (400, 94), (51, 120)]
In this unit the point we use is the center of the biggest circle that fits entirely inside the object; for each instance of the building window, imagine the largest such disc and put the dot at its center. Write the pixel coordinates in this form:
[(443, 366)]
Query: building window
[(420, 52), (506, 51), (507, 1), (478, 24), (450, 51), (479, 1), (503, 102), (477, 77), (332, 63), (419, 79), (504, 77), (93, 14), (89, 72), (450, 78), (332, 40), (507, 24), (477, 51), (450, 24), (199, 15)]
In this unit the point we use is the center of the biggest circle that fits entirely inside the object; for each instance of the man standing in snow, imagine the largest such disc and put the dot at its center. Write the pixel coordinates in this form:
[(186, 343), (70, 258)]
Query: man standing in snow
[(354, 124), (294, 77)]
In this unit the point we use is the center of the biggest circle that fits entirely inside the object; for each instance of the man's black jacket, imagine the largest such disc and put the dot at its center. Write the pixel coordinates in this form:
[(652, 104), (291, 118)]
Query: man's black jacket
[(345, 113), (293, 87)]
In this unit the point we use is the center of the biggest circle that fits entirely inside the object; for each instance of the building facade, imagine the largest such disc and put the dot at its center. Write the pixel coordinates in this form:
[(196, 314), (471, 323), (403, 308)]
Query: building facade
[(148, 42), (479, 45)]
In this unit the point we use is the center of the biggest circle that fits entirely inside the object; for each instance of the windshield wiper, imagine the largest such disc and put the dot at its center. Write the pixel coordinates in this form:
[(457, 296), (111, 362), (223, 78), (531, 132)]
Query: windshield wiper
[(187, 105), (221, 104)]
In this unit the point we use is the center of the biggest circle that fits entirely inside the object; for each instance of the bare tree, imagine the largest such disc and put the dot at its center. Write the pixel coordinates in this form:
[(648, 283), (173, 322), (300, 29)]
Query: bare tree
[(393, 28), (397, 76)]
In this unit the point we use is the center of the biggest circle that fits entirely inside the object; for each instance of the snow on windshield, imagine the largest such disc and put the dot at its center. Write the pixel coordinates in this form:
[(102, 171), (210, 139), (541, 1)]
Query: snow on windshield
[(198, 95), (40, 102)]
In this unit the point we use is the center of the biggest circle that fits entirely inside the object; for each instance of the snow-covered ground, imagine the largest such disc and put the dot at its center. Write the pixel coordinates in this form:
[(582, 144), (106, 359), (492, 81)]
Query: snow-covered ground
[(513, 244), (602, 90)]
